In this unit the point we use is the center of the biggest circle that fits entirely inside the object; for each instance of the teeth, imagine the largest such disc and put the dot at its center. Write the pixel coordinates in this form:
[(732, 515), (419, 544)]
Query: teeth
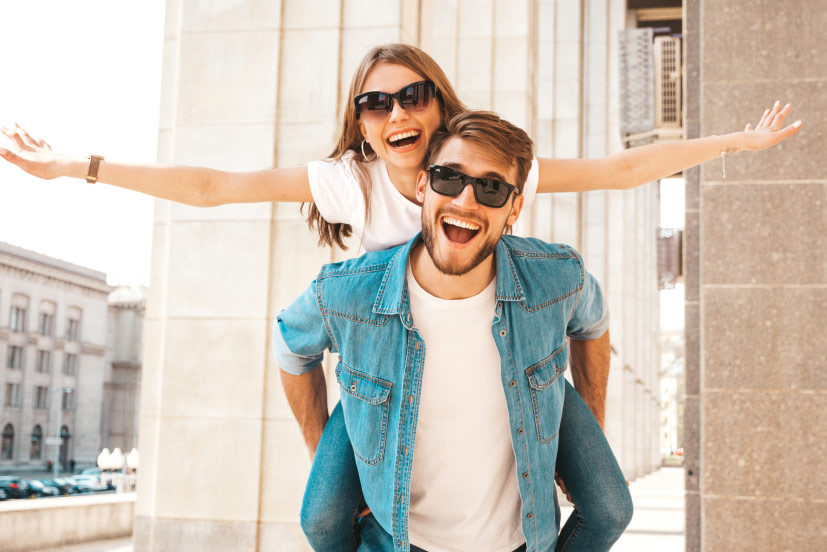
[(401, 135), (461, 223)]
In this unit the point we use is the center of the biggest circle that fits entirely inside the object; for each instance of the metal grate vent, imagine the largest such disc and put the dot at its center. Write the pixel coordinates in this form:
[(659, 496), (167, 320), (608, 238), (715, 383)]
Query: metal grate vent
[(667, 54), (637, 112)]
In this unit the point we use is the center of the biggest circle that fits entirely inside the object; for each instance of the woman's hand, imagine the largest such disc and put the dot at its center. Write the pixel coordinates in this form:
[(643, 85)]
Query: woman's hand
[(767, 132), (36, 156)]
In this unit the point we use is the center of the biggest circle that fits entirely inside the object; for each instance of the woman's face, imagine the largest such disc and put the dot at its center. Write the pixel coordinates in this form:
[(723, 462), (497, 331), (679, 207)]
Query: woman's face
[(384, 136)]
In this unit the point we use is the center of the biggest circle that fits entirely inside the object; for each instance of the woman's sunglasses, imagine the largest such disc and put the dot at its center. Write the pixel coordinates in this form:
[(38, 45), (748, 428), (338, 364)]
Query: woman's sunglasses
[(374, 107), (487, 191)]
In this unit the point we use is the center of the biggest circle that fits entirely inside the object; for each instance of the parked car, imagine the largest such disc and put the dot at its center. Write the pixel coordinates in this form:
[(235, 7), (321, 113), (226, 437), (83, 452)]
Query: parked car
[(3, 495), (89, 483), (41, 489), (15, 487), (63, 485)]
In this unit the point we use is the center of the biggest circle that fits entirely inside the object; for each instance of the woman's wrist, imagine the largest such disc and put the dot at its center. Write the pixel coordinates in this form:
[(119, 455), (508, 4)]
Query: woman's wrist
[(74, 167)]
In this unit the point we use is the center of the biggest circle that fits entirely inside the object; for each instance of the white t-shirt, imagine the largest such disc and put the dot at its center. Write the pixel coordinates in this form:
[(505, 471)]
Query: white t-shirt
[(393, 219), (464, 490)]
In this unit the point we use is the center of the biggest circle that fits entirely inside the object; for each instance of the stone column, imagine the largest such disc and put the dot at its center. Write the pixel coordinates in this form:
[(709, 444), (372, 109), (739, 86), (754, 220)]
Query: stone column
[(757, 282), (255, 84)]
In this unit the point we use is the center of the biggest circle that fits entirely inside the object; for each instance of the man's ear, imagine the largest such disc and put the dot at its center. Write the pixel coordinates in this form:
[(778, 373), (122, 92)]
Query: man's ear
[(421, 183), (516, 209)]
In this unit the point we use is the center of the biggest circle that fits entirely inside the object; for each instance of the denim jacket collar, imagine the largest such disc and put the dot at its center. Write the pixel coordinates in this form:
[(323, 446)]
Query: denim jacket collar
[(391, 298)]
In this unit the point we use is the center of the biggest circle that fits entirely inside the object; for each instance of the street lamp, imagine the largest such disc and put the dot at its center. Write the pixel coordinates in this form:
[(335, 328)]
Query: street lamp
[(132, 462), (116, 462), (58, 441)]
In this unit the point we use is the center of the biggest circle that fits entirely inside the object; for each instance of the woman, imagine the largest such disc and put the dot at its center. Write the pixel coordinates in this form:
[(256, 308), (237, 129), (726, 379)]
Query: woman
[(399, 97)]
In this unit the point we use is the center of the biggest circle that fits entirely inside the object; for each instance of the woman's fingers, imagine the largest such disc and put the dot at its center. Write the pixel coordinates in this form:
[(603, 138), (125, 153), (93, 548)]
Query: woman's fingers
[(27, 139), (778, 120), (763, 118), (748, 127), (13, 135)]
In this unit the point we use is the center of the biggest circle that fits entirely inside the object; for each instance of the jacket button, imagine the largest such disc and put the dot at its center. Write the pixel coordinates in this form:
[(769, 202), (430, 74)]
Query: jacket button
[(512, 383), (353, 387), (520, 431), (525, 474), (529, 516), (503, 333)]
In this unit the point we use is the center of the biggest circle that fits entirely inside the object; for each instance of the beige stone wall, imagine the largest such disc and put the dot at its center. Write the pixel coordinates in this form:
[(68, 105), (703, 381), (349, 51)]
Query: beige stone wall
[(255, 84), (757, 283)]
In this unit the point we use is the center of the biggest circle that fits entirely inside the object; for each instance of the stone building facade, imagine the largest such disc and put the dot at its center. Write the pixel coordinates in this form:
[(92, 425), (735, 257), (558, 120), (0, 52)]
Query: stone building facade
[(756, 282), (53, 344), (122, 381), (255, 84)]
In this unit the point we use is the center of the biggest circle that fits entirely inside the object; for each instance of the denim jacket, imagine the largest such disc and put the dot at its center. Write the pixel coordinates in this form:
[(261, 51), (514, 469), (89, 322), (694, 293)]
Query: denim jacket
[(360, 309)]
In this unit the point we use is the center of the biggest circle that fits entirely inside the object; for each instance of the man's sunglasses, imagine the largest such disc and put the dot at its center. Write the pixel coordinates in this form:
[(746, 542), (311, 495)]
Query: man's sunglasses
[(374, 107), (487, 191)]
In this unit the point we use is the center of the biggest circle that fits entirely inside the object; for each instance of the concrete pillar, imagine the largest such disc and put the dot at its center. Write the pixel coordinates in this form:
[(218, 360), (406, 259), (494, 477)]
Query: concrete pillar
[(254, 84), (756, 283)]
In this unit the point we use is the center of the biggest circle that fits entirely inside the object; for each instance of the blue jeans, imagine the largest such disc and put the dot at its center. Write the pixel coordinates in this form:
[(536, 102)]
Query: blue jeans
[(585, 463)]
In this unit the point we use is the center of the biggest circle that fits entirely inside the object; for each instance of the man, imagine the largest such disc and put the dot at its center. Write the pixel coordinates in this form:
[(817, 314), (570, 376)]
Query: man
[(451, 353)]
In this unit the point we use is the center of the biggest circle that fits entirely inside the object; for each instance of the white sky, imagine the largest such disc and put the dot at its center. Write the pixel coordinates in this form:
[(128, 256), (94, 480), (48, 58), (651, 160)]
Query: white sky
[(85, 76)]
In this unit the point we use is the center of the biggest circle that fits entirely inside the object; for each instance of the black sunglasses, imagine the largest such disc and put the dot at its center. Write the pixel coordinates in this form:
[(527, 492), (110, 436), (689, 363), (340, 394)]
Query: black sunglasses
[(488, 191), (374, 107)]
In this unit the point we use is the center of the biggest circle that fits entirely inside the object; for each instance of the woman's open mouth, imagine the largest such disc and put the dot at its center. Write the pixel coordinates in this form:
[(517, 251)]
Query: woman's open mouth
[(459, 231), (403, 141)]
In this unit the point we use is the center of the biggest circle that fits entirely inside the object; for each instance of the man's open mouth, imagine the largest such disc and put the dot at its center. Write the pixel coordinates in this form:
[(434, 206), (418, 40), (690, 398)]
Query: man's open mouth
[(459, 231), (405, 139)]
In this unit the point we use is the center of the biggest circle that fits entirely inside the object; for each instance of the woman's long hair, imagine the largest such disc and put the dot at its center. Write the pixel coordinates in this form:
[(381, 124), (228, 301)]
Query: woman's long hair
[(351, 137)]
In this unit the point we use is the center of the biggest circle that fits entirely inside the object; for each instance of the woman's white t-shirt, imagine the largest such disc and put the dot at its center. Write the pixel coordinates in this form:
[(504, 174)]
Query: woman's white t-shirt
[(393, 218)]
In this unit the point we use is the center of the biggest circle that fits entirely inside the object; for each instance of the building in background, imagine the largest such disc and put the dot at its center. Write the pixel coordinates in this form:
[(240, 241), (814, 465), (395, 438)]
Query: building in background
[(122, 383), (70, 347)]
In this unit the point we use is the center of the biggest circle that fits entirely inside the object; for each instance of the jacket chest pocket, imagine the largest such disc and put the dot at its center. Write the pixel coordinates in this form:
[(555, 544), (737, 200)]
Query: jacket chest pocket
[(365, 402), (546, 397)]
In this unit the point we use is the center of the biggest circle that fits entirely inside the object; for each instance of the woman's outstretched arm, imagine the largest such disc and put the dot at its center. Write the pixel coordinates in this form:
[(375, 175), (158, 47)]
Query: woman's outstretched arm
[(196, 186), (637, 166)]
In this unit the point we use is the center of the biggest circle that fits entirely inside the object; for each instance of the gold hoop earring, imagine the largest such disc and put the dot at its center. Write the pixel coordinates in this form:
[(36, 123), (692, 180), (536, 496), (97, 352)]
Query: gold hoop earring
[(363, 151)]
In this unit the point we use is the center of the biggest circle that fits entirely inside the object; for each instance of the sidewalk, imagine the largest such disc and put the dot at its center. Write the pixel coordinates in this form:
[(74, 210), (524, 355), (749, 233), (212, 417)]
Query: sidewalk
[(658, 521), (657, 525)]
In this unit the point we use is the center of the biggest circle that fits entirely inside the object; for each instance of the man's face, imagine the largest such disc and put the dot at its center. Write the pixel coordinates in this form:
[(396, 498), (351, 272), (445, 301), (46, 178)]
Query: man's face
[(458, 232)]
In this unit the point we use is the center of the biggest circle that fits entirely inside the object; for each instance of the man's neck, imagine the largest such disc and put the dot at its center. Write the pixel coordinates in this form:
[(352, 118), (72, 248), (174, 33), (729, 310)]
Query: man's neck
[(445, 286)]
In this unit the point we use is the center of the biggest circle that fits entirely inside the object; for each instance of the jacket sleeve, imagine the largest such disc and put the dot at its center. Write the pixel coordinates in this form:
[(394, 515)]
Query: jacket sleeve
[(300, 336), (590, 317)]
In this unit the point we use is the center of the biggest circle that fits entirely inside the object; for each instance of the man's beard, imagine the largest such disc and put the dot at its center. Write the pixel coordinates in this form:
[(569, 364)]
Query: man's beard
[(445, 266)]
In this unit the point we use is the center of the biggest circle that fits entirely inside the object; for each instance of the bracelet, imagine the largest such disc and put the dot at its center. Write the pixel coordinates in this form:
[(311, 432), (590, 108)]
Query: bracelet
[(94, 162)]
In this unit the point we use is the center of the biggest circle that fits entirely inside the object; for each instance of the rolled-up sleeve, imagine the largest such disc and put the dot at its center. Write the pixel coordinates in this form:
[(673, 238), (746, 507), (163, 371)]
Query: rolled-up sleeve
[(590, 318), (300, 337)]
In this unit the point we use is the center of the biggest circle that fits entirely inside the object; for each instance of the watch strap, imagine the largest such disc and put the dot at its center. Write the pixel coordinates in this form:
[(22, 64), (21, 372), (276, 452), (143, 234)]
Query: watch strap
[(94, 163)]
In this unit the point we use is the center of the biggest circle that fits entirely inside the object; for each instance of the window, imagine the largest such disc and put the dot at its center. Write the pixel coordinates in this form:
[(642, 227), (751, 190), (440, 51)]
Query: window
[(18, 319), (70, 364), (72, 329), (14, 359), (8, 443), (37, 443), (45, 324), (12, 394), (41, 397), (68, 402), (44, 361)]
